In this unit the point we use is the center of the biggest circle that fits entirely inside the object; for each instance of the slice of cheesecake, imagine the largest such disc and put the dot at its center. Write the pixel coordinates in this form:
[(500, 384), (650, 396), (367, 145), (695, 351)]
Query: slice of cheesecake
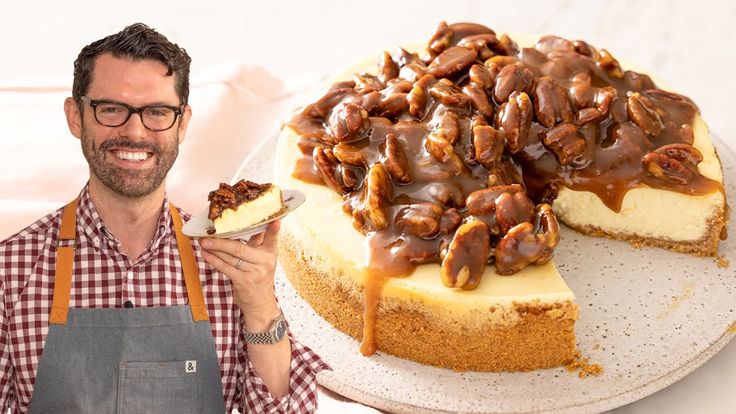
[(235, 207)]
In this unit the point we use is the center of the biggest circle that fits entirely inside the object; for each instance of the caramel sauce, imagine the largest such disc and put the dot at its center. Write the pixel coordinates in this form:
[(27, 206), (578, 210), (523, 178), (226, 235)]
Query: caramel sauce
[(609, 165)]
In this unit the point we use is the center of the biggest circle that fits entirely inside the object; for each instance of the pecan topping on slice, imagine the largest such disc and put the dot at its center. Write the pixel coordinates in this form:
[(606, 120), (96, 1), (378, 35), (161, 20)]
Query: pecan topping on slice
[(479, 99), (565, 141), (387, 68), (421, 219), (512, 78), (451, 61), (448, 94), (466, 256), (348, 122), (396, 162), (514, 118), (551, 104), (326, 164), (674, 163), (645, 114), (609, 64), (488, 145)]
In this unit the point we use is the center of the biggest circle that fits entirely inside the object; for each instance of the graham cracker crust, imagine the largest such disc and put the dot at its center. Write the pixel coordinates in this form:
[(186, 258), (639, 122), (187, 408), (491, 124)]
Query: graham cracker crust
[(543, 337)]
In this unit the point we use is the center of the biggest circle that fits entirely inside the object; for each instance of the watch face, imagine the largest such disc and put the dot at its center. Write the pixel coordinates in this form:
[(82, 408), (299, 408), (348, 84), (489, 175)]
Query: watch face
[(281, 329)]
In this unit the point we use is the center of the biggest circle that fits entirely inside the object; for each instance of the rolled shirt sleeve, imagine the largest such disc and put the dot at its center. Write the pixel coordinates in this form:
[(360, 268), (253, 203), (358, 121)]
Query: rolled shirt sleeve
[(302, 396)]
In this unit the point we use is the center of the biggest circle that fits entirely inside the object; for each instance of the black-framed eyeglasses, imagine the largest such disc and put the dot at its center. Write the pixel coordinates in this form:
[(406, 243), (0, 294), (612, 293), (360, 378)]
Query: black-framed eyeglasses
[(113, 114)]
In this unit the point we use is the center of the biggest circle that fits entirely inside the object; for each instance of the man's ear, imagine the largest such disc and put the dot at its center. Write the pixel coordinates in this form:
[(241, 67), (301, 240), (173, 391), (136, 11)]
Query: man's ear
[(186, 115), (73, 117)]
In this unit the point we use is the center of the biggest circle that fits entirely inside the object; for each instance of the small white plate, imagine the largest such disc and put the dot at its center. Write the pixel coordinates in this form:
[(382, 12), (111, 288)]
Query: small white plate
[(198, 225)]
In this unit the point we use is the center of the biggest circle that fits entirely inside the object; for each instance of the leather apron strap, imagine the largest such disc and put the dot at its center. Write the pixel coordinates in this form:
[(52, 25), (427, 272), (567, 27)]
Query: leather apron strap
[(65, 263)]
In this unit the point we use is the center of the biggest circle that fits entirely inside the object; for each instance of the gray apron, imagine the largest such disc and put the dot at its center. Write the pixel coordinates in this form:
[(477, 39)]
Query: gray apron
[(125, 361)]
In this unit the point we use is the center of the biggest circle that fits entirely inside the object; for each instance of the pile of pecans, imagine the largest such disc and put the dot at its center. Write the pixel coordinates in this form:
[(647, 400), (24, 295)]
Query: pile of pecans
[(428, 154)]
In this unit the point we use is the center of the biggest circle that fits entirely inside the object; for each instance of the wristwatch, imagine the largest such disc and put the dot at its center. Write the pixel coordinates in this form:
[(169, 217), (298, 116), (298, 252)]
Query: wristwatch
[(273, 335)]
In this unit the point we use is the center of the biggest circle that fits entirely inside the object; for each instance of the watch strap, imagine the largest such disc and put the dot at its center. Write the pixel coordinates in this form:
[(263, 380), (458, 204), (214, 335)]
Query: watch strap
[(275, 333)]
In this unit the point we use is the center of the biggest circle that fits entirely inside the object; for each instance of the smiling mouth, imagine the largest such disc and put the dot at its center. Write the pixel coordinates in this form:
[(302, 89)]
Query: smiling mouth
[(132, 155)]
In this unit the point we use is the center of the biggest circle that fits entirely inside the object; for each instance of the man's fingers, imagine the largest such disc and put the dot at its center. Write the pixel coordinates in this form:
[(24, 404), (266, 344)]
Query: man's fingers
[(256, 240), (271, 235)]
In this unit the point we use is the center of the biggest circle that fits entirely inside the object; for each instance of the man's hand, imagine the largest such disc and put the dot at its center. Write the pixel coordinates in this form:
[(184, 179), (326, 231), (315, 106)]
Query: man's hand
[(250, 266)]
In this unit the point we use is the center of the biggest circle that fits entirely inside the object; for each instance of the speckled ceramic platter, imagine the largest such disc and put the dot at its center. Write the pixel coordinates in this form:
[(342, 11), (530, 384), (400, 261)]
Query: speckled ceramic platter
[(647, 315)]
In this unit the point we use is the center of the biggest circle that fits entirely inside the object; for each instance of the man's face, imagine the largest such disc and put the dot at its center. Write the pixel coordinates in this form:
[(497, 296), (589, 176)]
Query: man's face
[(129, 159)]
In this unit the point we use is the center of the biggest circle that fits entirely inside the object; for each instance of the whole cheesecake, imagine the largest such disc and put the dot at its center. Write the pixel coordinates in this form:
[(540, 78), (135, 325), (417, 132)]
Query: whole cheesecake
[(434, 185)]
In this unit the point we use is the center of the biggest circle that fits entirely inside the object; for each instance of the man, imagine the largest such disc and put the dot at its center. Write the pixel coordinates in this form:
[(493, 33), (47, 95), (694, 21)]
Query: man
[(130, 314)]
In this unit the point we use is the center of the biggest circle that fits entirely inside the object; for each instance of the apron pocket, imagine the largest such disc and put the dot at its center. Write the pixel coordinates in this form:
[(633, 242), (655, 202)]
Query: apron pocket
[(158, 387)]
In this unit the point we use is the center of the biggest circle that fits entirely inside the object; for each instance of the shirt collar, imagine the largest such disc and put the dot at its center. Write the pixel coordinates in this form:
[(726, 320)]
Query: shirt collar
[(92, 226)]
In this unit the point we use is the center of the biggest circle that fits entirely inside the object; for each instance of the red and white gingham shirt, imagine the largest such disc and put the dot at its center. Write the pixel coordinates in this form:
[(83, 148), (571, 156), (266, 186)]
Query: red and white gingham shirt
[(105, 278)]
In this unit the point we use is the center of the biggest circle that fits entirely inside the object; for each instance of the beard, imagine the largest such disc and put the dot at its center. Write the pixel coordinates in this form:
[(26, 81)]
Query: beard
[(129, 183)]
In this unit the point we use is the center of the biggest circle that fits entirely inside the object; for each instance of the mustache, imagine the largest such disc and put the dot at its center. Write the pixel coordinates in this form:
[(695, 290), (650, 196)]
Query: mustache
[(127, 143)]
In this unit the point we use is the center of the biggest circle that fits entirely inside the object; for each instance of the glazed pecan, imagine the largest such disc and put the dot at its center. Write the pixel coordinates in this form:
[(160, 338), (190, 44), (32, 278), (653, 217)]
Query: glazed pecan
[(335, 95), (586, 115), (674, 163), (638, 81), (440, 40), (449, 126), (482, 77), (565, 141), (451, 61), (551, 104), (603, 98), (395, 161), (546, 224), (479, 99), (387, 68), (512, 78), (583, 48), (398, 85), (450, 220), (420, 219), (518, 248), (393, 105), (506, 46), (326, 164), (503, 173), (500, 61), (448, 94), (417, 97), (348, 122), (370, 101), (365, 83), (412, 71), (512, 209), (378, 194), (441, 149), (514, 118), (351, 154), (466, 256), (644, 113), (307, 142), (481, 44), (581, 91), (352, 176), (548, 44), (488, 145), (687, 134), (483, 201), (609, 64)]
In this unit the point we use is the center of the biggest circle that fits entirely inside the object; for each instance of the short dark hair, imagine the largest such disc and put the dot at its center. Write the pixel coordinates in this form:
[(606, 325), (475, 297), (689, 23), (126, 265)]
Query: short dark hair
[(137, 42)]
